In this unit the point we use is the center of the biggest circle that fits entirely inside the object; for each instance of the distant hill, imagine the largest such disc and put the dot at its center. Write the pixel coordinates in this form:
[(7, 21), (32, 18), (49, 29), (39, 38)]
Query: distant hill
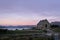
[(55, 23), (2, 26)]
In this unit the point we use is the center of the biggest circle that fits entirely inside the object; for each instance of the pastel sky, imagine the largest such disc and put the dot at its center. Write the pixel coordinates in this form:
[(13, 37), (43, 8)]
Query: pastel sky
[(28, 12)]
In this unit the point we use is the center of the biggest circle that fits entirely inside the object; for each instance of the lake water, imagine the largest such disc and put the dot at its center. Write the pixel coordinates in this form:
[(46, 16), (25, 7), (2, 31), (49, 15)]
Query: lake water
[(18, 28)]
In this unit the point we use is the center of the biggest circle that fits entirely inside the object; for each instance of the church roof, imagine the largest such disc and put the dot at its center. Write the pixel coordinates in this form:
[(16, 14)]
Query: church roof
[(43, 21)]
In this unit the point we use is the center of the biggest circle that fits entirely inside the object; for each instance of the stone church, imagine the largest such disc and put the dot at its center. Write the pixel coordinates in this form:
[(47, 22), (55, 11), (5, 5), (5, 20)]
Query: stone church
[(43, 24)]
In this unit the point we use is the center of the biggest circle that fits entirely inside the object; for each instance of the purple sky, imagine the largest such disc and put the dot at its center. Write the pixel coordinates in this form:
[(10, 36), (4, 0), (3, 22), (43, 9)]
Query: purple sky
[(28, 12)]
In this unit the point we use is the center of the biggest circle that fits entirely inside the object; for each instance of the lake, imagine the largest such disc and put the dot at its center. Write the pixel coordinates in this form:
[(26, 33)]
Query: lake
[(17, 27)]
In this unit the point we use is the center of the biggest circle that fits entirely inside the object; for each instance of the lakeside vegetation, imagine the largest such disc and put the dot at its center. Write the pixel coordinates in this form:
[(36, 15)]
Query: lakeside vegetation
[(5, 31), (24, 38), (55, 28), (16, 35)]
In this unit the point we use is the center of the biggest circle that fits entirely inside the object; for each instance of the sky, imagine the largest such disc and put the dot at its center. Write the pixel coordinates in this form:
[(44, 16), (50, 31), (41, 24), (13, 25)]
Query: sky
[(28, 12)]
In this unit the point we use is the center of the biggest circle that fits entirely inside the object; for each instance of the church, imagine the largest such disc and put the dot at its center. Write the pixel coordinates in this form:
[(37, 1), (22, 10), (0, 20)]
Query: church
[(43, 25)]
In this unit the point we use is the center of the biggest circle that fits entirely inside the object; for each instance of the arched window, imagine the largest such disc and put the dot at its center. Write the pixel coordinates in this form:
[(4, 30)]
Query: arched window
[(46, 25)]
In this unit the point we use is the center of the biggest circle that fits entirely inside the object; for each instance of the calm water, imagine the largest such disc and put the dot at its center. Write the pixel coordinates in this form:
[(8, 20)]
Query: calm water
[(14, 28)]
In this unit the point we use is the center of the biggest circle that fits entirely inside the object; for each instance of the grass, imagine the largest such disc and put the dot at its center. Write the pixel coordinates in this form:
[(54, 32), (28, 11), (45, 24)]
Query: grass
[(13, 35), (56, 30), (25, 38)]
